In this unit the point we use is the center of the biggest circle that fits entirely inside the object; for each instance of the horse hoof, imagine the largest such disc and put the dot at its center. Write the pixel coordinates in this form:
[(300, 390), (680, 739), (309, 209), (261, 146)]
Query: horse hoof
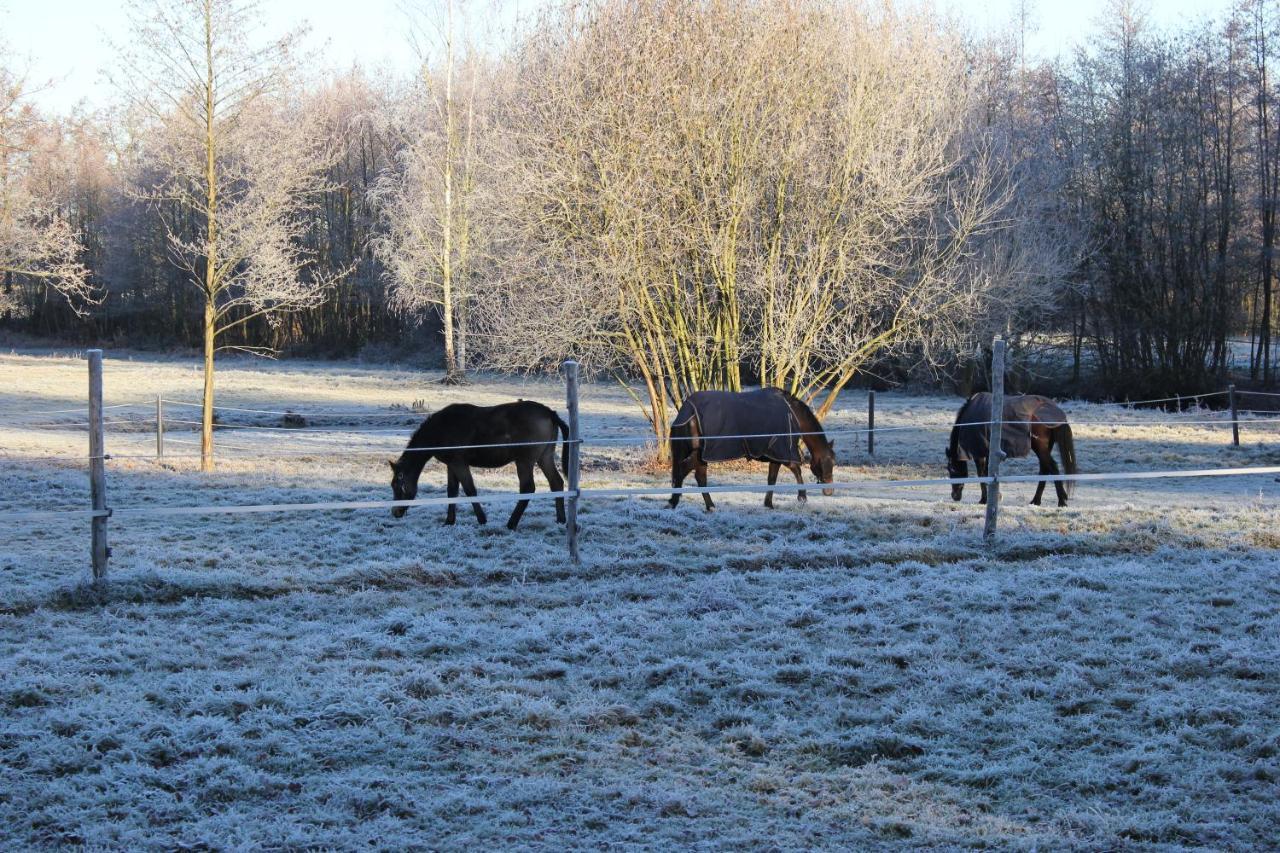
[(511, 526)]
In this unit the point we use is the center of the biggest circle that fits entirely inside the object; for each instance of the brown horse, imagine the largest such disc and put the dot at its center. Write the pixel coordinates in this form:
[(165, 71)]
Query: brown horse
[(1031, 423), (773, 423), (462, 435)]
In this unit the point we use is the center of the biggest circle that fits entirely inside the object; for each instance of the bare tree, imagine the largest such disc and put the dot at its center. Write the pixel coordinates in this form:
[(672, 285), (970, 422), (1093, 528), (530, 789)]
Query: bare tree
[(696, 190), (237, 164), (38, 243), (428, 199)]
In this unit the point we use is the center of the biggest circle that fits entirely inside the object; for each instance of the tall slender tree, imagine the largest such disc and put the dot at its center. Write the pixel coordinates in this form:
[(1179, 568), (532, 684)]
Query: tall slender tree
[(238, 166)]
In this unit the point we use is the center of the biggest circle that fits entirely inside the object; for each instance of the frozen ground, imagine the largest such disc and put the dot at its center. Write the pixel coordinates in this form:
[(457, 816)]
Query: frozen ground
[(861, 671)]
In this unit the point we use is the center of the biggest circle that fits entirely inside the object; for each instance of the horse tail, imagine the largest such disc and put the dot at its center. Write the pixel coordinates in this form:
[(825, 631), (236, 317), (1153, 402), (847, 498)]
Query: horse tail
[(1067, 450), (564, 443)]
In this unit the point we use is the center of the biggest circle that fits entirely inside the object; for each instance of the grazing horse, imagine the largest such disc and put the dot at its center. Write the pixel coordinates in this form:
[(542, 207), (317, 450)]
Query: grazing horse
[(477, 432), (774, 421), (1031, 422)]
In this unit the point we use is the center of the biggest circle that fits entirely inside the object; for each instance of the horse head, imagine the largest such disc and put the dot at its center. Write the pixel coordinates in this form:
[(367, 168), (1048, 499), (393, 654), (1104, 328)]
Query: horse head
[(823, 466), (957, 469), (404, 486)]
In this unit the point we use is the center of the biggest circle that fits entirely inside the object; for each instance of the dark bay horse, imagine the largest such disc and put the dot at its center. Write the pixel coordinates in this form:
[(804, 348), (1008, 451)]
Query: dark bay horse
[(531, 426), (1031, 423), (779, 418)]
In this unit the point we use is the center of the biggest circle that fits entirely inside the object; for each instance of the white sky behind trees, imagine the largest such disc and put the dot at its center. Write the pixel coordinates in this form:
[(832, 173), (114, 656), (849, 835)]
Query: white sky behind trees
[(65, 44)]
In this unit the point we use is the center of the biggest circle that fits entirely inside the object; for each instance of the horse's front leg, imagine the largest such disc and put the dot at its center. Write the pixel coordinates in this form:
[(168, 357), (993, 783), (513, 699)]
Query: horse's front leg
[(451, 515), (980, 464), (524, 470), (701, 473), (795, 470), (681, 468), (773, 478), (469, 486)]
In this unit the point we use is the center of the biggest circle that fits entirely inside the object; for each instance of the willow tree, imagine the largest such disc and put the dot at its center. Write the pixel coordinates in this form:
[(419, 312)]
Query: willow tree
[(700, 194), (239, 165)]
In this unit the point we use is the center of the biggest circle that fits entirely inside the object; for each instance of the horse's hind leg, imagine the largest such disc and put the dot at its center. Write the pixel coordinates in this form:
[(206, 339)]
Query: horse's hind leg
[(1058, 486), (701, 473), (1046, 467), (547, 462), (981, 465), (795, 470), (451, 515), (773, 478), (469, 486), (524, 470)]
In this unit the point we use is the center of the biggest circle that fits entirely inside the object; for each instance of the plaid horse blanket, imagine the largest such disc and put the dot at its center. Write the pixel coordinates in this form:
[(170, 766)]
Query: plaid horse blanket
[(1015, 432), (765, 412)]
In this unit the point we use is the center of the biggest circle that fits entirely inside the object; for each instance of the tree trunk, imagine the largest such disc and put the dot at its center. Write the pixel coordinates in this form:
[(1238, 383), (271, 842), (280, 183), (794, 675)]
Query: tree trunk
[(206, 418)]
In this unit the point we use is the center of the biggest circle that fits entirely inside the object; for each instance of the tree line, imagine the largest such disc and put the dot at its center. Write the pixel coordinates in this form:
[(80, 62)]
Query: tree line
[(691, 194)]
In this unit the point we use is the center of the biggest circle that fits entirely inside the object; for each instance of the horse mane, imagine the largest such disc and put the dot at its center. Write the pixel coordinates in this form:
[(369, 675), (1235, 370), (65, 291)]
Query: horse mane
[(801, 408), (415, 462)]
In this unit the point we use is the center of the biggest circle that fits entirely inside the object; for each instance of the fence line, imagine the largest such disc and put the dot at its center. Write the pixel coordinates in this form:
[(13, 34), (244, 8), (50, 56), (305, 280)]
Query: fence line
[(638, 439), (321, 414), (1176, 398), (743, 488), (572, 443)]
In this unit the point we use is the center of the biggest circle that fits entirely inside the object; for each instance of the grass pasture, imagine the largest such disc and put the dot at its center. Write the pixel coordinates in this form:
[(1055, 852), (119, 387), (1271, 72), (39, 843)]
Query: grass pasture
[(860, 671)]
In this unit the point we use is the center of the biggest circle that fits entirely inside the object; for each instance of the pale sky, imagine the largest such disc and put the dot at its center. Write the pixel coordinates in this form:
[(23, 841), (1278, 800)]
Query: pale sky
[(66, 42)]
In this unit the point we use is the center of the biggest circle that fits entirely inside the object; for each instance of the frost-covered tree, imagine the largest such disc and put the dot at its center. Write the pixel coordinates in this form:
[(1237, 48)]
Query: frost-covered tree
[(427, 199), (237, 164), (38, 244)]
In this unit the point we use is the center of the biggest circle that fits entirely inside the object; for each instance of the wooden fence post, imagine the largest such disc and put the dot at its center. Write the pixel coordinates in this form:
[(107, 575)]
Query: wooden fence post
[(159, 427), (575, 456), (996, 451), (1235, 416), (871, 423), (97, 468)]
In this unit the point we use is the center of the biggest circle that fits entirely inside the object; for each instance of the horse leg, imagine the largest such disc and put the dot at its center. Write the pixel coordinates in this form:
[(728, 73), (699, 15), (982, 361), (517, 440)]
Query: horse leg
[(1046, 467), (547, 462), (451, 515), (524, 470), (980, 464), (1058, 486), (795, 470), (681, 468), (469, 486), (773, 478), (700, 472)]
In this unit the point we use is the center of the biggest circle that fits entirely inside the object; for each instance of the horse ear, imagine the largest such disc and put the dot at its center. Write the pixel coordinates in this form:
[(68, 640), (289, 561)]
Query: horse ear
[(392, 463), (832, 444)]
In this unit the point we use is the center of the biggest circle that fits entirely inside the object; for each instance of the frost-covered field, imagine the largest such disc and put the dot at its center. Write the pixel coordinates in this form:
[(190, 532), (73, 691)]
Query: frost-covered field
[(859, 671)]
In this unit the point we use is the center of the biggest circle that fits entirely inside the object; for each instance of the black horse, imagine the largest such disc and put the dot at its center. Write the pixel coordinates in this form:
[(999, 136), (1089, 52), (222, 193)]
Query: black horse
[(476, 432), (774, 421), (1031, 423)]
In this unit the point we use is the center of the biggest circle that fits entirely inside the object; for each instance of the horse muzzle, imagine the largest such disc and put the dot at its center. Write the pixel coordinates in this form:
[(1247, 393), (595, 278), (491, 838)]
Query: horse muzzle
[(828, 492), (399, 511)]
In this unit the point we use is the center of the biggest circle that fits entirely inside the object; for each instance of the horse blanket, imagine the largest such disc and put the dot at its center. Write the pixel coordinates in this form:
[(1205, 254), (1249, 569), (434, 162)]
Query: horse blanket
[(974, 442), (754, 413)]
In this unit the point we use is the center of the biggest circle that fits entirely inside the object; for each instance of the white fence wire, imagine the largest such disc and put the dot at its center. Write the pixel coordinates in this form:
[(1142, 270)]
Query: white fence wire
[(323, 434)]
